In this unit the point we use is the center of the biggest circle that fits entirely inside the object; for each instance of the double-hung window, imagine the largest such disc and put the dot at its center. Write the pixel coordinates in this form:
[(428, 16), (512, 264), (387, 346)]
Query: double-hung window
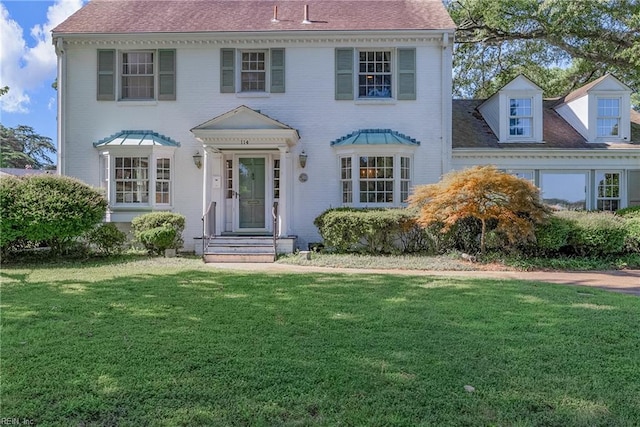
[(133, 178), (252, 71), (608, 122), (520, 118), (374, 74), (608, 191), (136, 75)]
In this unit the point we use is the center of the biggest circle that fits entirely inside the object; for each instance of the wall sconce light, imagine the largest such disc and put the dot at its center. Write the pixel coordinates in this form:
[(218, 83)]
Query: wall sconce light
[(197, 159), (302, 158)]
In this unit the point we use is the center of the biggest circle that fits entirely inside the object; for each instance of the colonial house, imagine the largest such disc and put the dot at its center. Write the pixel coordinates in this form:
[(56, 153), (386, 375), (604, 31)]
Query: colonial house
[(251, 117)]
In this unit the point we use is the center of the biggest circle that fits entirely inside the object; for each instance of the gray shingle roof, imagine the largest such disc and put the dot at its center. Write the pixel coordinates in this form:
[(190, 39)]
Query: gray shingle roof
[(193, 16), (471, 131)]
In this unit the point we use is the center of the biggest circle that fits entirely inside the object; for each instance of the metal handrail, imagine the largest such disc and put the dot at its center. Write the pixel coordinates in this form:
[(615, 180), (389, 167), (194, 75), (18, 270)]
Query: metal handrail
[(207, 226), (274, 214)]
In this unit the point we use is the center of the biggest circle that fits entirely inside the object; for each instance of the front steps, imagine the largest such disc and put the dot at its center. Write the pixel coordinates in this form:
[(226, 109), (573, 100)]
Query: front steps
[(239, 249)]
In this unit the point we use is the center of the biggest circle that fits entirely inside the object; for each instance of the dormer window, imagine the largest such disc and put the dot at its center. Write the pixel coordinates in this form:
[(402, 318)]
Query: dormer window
[(608, 122), (520, 117)]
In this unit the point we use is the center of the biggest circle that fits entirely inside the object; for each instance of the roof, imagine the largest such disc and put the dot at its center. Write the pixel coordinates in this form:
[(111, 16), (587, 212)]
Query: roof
[(24, 171), (583, 90), (374, 137), (471, 131), (195, 16), (132, 138)]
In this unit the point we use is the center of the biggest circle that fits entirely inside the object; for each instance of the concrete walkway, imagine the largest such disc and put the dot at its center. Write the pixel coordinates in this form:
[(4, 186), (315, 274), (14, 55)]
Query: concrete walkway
[(626, 281)]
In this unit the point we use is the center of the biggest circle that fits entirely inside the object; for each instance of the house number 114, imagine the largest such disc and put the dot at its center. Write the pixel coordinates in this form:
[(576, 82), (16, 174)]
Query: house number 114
[(244, 142)]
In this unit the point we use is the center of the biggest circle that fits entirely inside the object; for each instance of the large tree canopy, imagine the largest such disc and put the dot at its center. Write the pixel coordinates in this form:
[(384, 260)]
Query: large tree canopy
[(559, 44)]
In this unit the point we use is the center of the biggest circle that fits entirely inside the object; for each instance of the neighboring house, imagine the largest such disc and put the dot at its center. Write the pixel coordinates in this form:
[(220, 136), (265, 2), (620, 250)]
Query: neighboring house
[(229, 111), (22, 171), (583, 150)]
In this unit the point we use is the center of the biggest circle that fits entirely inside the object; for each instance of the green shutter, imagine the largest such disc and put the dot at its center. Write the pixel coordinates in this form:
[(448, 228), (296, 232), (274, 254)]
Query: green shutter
[(277, 70), (106, 90), (406, 74), (167, 74), (344, 73), (227, 70)]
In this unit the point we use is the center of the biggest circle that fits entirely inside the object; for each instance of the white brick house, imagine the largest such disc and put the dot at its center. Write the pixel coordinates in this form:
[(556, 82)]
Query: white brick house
[(225, 110)]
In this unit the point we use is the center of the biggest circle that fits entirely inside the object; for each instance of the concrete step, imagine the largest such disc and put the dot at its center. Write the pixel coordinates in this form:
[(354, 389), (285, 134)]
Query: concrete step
[(238, 257)]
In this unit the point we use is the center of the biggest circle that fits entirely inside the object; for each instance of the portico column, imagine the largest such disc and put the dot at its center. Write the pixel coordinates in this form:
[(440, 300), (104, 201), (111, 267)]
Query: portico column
[(284, 227)]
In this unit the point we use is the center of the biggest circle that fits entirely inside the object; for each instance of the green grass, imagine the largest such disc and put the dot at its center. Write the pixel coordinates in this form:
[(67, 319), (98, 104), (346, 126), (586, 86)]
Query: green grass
[(174, 342)]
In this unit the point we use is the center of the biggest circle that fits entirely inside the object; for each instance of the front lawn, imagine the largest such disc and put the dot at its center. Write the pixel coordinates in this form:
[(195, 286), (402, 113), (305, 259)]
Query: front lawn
[(175, 342)]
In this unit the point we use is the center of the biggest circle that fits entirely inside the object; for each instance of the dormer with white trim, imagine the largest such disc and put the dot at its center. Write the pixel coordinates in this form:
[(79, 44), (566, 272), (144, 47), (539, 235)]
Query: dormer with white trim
[(514, 113), (599, 111)]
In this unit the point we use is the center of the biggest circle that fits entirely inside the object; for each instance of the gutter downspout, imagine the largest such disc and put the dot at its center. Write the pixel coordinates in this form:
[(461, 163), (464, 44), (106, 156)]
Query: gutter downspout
[(445, 110), (61, 104)]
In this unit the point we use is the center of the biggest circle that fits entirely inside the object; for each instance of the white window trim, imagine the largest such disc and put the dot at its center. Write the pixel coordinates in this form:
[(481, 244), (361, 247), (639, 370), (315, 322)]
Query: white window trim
[(619, 117), (621, 187), (394, 76), (531, 117), (152, 154), (392, 151), (267, 75), (119, 76)]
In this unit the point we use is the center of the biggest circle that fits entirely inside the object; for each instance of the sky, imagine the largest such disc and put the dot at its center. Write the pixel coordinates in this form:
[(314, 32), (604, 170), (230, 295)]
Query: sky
[(28, 62)]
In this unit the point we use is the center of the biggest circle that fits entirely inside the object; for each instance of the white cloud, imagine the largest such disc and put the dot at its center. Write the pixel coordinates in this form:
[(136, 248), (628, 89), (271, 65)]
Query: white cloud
[(28, 67)]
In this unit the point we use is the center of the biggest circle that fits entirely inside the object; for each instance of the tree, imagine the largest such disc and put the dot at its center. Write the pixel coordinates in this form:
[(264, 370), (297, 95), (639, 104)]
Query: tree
[(22, 146), (559, 44), (484, 193)]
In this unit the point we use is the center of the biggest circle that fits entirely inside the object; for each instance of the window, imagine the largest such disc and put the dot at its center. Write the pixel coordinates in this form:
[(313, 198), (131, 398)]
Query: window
[(608, 123), (253, 72), (345, 180), (405, 178), (229, 172), (132, 179), (276, 178), (142, 75), (258, 71), (520, 117), (163, 181), (374, 76), (608, 191), (564, 190), (379, 180), (375, 73), (137, 75)]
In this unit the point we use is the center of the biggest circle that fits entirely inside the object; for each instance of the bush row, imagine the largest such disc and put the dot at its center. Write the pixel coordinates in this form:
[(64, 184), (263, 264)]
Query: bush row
[(382, 231)]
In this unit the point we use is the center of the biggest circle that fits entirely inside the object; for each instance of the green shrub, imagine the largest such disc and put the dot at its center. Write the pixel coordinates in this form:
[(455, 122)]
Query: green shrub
[(553, 235), (630, 211), (48, 209), (632, 224), (158, 239), (153, 241), (596, 233), (106, 238), (374, 231)]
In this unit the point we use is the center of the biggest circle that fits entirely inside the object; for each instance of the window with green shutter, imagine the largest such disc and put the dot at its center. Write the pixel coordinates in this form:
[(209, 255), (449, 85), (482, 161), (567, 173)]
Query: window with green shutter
[(167, 75), (227, 70), (277, 70), (344, 74), (106, 90), (406, 74)]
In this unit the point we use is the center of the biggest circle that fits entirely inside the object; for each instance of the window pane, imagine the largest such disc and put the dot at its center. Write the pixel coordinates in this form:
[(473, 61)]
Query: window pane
[(565, 191), (132, 179), (253, 72)]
